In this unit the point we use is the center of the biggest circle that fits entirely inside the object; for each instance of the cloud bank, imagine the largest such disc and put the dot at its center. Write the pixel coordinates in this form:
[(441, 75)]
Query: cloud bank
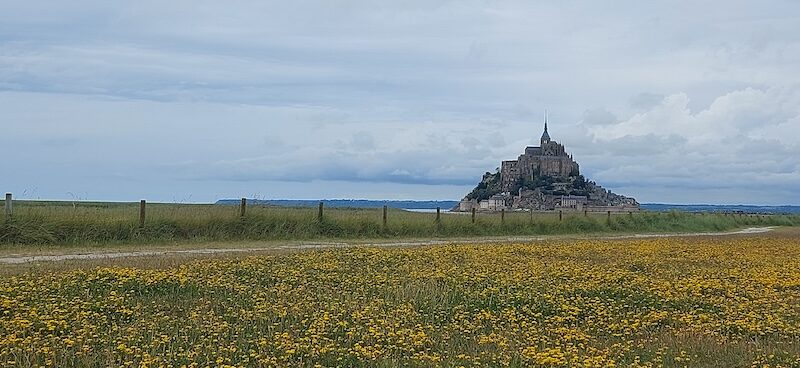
[(666, 102)]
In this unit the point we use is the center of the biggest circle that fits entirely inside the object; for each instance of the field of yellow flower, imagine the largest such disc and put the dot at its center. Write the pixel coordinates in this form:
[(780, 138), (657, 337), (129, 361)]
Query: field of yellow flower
[(727, 301)]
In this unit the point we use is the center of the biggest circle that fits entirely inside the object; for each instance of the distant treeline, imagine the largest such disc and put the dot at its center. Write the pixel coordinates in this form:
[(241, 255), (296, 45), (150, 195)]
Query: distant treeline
[(345, 203)]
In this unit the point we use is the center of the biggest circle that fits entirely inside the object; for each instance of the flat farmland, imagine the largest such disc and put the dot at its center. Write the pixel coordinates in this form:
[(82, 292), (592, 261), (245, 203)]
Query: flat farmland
[(721, 301)]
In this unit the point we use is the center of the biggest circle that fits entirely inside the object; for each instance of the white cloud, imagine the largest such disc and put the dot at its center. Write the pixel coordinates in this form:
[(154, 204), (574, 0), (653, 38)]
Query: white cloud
[(188, 96), (746, 139)]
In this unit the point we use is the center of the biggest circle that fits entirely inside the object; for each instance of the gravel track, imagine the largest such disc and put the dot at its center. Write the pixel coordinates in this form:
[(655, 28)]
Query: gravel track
[(21, 259)]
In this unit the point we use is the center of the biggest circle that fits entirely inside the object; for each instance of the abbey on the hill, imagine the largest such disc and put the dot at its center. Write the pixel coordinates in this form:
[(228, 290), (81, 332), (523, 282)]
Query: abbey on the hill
[(544, 178), (550, 158)]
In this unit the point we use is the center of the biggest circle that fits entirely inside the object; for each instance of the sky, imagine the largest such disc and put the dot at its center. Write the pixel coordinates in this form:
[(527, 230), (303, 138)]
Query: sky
[(192, 101)]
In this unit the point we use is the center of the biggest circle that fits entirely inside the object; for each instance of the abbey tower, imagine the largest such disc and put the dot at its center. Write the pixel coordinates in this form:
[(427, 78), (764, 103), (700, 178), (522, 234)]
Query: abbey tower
[(550, 159)]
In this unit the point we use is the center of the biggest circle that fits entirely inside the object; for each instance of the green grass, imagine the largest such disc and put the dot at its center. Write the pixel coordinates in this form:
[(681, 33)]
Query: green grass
[(82, 223)]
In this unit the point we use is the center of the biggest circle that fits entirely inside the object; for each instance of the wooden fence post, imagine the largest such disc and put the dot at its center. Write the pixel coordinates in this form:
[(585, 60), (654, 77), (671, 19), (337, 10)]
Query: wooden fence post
[(473, 215), (319, 214), (385, 215), (9, 208), (438, 215), (243, 207), (560, 216), (142, 209), (531, 212), (585, 213), (609, 217), (502, 215)]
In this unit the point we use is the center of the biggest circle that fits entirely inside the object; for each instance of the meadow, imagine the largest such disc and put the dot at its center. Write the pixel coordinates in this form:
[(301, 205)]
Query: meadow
[(678, 302), (103, 224)]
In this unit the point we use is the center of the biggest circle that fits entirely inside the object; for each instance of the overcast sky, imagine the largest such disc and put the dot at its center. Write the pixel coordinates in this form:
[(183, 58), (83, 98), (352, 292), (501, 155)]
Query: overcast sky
[(673, 102)]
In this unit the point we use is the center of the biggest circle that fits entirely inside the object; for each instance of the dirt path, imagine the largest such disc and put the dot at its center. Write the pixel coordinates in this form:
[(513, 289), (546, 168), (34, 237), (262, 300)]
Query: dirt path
[(21, 259)]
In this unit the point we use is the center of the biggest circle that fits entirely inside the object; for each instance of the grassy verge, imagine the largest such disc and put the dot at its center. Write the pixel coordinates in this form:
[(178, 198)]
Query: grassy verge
[(48, 223)]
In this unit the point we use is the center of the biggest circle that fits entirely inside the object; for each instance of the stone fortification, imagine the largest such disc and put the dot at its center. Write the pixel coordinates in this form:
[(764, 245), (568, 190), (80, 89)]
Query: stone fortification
[(550, 159), (544, 178)]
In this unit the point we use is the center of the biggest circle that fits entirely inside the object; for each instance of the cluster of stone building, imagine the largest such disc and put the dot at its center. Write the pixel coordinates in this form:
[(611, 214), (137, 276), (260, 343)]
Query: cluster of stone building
[(549, 159)]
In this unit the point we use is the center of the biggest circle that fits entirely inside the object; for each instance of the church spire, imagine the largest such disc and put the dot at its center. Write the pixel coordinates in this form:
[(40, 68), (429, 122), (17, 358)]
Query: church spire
[(545, 120), (545, 135)]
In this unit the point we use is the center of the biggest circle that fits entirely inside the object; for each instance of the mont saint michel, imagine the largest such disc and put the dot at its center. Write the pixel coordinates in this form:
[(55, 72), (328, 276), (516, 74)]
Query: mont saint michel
[(544, 178)]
